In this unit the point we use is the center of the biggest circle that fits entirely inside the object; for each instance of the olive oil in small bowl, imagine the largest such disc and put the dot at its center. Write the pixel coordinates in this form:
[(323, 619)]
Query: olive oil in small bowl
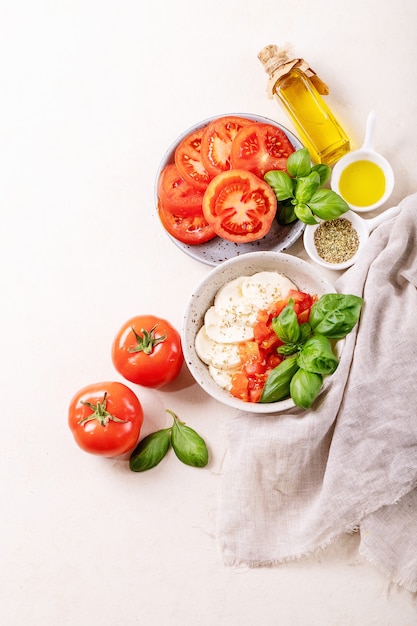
[(363, 178)]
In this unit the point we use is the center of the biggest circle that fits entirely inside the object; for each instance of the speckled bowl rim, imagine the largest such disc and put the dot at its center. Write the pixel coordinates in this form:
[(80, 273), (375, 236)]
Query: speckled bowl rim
[(218, 250), (307, 278)]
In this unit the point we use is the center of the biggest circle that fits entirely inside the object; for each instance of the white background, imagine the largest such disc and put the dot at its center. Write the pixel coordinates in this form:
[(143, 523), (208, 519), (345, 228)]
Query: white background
[(91, 95)]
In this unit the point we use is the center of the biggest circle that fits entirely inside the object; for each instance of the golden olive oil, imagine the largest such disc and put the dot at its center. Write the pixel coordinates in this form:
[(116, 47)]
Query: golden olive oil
[(362, 183), (300, 91), (318, 129)]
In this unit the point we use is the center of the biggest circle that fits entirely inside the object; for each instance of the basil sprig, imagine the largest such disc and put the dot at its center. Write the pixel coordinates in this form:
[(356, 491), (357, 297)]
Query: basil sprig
[(300, 191), (307, 348), (187, 444)]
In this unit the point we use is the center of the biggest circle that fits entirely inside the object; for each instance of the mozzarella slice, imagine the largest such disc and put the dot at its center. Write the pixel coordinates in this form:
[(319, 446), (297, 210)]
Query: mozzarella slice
[(229, 326), (222, 377), (219, 355), (264, 288), (230, 299)]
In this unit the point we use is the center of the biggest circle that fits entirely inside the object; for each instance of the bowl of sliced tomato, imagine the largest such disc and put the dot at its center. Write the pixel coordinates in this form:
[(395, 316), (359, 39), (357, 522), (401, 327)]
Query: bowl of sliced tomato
[(229, 335), (210, 192)]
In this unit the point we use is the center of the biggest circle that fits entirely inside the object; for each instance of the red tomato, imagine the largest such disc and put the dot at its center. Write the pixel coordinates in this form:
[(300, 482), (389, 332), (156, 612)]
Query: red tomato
[(216, 142), (189, 229), (260, 148), (177, 194), (105, 418), (147, 351), (188, 160), (239, 206)]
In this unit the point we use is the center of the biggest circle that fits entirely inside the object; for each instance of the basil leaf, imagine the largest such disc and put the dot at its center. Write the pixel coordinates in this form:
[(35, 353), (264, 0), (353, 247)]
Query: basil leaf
[(305, 214), (323, 171), (189, 447), (286, 213), (317, 356), (327, 204), (306, 186), (288, 348), (281, 184), (304, 388), (277, 386), (305, 331), (335, 314), (150, 451), (299, 163), (286, 326)]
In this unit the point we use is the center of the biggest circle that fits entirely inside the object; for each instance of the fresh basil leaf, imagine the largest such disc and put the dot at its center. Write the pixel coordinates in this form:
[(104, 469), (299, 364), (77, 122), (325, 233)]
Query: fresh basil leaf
[(317, 356), (281, 184), (305, 332), (286, 326), (187, 444), (286, 214), (304, 214), (288, 348), (323, 171), (299, 163), (327, 204), (277, 386), (304, 388), (335, 314), (306, 186), (150, 451)]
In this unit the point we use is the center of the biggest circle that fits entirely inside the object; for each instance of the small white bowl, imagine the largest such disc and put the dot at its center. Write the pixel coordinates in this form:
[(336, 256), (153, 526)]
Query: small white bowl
[(303, 274), (365, 153), (363, 228)]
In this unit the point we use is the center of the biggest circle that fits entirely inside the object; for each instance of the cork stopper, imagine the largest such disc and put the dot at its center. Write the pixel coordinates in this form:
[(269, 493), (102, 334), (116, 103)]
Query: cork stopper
[(272, 58), (277, 62)]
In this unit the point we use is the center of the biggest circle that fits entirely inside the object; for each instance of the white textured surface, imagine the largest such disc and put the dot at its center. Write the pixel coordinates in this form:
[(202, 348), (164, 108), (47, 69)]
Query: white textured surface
[(93, 92)]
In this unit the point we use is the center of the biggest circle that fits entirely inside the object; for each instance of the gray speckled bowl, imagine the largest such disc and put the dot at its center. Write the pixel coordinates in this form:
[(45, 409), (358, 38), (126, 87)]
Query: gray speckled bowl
[(217, 250), (305, 276)]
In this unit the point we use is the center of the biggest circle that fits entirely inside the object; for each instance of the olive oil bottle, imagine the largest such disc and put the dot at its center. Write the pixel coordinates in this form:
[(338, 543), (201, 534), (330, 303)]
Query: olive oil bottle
[(300, 91)]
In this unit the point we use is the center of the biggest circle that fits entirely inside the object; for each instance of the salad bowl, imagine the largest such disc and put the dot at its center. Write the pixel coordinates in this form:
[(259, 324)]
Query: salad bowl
[(304, 275)]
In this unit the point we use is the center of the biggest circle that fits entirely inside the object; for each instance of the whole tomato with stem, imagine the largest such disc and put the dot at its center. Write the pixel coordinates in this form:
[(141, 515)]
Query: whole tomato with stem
[(147, 351), (105, 418)]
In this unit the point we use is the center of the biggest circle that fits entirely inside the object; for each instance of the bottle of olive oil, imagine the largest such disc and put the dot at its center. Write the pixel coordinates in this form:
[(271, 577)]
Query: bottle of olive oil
[(300, 91)]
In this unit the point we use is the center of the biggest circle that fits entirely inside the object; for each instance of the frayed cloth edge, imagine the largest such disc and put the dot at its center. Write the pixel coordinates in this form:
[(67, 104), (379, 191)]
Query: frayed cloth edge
[(410, 584), (237, 562)]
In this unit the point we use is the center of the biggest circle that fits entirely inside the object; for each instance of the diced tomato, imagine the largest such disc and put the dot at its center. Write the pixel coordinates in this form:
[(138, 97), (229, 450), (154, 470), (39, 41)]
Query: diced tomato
[(240, 386)]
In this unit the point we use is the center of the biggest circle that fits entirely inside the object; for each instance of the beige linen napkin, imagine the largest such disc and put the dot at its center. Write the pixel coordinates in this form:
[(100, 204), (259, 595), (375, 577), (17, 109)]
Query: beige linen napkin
[(294, 482)]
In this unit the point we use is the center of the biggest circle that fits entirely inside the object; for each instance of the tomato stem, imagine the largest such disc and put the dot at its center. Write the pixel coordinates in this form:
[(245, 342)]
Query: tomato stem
[(100, 413), (147, 341)]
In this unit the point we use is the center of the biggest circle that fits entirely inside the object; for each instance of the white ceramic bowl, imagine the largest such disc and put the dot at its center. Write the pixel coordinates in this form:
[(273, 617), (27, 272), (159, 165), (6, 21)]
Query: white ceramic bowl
[(366, 153), (217, 250), (363, 229), (303, 274)]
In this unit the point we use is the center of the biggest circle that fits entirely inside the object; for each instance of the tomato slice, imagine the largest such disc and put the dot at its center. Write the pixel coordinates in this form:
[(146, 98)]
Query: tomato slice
[(239, 206), (188, 160), (191, 229), (216, 142), (260, 148), (177, 194)]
